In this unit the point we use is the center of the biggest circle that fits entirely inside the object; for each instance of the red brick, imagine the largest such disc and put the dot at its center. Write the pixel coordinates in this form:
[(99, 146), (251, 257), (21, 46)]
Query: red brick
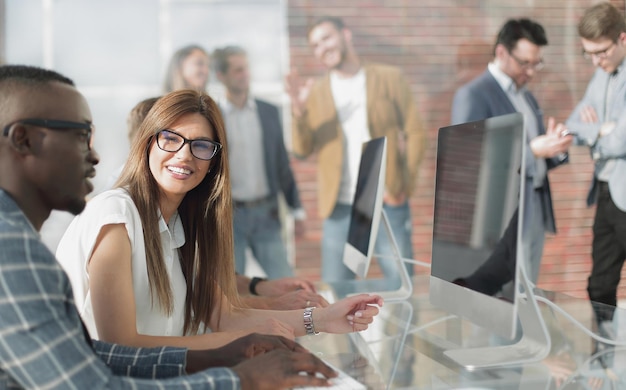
[(440, 44)]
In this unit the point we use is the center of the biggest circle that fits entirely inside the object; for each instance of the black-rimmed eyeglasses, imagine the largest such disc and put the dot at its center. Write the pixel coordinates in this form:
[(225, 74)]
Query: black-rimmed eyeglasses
[(53, 124), (171, 141)]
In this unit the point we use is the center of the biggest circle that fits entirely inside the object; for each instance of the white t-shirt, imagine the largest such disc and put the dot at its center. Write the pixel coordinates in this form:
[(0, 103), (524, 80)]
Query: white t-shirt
[(349, 95), (75, 248)]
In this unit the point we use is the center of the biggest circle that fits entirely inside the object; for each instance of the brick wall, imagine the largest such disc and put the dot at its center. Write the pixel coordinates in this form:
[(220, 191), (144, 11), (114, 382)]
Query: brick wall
[(441, 44)]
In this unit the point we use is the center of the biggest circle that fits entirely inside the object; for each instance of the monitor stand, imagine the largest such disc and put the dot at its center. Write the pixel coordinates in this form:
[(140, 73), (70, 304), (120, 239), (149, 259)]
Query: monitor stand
[(406, 285), (532, 347)]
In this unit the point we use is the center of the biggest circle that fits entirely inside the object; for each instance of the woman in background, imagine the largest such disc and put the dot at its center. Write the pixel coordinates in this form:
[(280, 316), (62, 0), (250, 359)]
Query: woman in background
[(155, 255), (188, 69)]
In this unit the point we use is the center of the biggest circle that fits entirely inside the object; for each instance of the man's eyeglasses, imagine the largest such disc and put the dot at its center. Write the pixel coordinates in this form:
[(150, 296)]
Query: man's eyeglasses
[(538, 65), (600, 54), (171, 141), (53, 124)]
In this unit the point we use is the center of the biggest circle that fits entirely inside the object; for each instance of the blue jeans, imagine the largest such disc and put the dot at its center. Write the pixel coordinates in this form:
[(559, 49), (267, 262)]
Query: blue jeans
[(258, 227), (335, 233)]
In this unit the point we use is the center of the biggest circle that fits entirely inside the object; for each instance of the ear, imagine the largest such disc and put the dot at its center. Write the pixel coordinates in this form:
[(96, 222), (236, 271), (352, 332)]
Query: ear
[(347, 35), (501, 52), (19, 138), (500, 49)]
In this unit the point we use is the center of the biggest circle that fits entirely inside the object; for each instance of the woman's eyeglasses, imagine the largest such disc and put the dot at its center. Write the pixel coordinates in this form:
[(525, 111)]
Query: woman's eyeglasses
[(171, 141)]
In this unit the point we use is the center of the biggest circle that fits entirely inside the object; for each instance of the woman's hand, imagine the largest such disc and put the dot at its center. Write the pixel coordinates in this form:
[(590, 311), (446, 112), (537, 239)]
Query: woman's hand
[(277, 287), (350, 314), (298, 299), (270, 326)]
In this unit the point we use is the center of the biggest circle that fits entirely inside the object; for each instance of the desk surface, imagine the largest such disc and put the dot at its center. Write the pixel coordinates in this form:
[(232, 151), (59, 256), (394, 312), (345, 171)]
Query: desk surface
[(404, 349)]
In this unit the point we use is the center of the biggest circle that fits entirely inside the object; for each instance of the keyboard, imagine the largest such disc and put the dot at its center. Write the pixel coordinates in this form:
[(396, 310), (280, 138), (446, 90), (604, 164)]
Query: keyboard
[(342, 381)]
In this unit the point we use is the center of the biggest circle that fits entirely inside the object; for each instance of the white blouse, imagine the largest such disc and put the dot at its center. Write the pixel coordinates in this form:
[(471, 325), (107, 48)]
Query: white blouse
[(75, 248)]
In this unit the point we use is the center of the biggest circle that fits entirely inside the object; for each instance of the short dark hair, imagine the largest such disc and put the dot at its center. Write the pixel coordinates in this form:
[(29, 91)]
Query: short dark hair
[(334, 20), (24, 77), (523, 28), (220, 57), (31, 75), (602, 20)]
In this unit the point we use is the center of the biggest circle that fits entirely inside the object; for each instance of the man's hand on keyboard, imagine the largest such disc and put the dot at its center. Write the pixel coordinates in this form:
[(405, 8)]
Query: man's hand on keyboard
[(247, 347), (281, 369)]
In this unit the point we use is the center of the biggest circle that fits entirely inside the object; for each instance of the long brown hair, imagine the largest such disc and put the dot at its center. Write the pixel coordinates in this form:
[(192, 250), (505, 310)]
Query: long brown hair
[(206, 213)]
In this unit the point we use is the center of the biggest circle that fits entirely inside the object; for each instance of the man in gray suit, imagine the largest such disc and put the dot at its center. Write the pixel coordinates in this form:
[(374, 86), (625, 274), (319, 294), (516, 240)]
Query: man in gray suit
[(599, 120), (501, 90), (260, 168)]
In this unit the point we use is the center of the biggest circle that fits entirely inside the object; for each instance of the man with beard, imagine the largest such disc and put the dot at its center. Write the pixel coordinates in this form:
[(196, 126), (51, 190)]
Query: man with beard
[(332, 116)]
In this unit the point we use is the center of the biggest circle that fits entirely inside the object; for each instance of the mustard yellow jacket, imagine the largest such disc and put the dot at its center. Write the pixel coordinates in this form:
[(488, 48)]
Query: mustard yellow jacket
[(391, 112)]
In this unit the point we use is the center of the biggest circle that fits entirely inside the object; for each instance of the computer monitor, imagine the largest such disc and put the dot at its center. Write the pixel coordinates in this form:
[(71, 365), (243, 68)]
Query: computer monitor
[(367, 207), (366, 216), (480, 191)]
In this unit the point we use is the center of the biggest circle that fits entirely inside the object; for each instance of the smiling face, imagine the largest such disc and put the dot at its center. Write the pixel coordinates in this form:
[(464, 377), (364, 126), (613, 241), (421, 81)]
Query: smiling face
[(330, 45), (177, 173), (195, 70)]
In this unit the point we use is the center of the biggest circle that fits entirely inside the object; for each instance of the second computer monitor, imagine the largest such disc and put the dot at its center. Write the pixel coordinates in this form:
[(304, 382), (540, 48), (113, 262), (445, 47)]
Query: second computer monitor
[(367, 207), (477, 192)]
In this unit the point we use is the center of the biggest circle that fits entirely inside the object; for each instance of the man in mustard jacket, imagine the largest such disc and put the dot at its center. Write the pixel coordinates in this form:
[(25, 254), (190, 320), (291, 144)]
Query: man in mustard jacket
[(333, 116)]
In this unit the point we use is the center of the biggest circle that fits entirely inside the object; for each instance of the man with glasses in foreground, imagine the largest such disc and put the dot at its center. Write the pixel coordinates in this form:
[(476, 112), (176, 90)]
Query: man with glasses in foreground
[(46, 161), (501, 90), (599, 120)]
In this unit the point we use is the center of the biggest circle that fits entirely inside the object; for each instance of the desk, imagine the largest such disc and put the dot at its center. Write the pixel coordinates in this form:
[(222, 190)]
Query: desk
[(404, 349)]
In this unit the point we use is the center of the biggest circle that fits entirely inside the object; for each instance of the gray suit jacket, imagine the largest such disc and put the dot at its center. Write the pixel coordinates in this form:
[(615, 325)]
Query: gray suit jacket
[(483, 98), (611, 146), (277, 166)]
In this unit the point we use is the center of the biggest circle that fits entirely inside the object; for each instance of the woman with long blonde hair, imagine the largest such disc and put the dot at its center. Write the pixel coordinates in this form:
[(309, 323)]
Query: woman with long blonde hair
[(154, 260)]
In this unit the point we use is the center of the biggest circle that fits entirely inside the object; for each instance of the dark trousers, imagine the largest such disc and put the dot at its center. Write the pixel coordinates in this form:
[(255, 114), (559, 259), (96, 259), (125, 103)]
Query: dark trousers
[(499, 268), (608, 253)]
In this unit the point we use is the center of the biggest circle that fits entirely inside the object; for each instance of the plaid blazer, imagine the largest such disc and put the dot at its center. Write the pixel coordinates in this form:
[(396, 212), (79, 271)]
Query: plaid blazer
[(42, 339)]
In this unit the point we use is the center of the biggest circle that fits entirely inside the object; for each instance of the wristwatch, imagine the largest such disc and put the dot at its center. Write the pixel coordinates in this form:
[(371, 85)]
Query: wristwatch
[(309, 327), (253, 284)]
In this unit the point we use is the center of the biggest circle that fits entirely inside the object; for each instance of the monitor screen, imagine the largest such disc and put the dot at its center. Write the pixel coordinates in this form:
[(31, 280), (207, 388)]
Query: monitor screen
[(477, 192), (367, 207)]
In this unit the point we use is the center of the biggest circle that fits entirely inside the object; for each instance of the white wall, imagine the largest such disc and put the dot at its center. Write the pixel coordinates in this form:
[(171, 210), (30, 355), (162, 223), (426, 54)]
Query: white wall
[(117, 52)]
